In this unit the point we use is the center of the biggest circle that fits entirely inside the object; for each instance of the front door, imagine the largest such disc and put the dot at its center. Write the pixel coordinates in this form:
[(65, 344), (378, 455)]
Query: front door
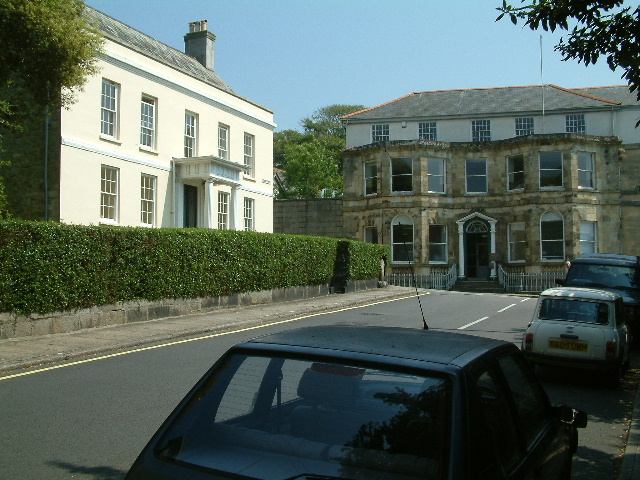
[(477, 250), (190, 206)]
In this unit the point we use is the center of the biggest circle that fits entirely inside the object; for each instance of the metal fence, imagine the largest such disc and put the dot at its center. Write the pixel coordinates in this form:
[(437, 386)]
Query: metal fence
[(436, 281), (528, 282)]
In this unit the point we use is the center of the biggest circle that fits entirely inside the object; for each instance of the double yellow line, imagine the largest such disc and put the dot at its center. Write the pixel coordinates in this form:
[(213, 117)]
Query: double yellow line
[(187, 340)]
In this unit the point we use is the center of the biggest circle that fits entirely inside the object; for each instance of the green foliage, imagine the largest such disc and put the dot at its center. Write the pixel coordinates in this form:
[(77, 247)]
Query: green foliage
[(49, 267), (604, 27), (322, 142), (47, 50), (313, 170)]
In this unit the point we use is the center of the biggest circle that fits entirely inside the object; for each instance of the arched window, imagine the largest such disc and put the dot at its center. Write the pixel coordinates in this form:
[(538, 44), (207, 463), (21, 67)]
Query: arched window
[(402, 239), (552, 236)]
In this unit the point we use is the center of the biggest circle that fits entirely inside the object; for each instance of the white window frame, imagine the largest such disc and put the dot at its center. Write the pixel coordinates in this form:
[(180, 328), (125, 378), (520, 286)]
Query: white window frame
[(541, 170), (370, 174), (402, 240), (481, 130), (223, 141), (512, 184), (588, 237), (109, 194), (148, 191), (586, 171), (249, 214), (575, 123), (148, 122), (524, 126), (428, 131), (249, 154), (546, 241), (435, 177), (109, 109), (441, 245), (516, 239), (401, 176), (380, 133), (469, 176), (190, 134), (223, 210)]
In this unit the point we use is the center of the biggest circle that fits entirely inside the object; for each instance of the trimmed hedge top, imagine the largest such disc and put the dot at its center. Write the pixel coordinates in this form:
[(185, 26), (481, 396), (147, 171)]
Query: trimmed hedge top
[(47, 266)]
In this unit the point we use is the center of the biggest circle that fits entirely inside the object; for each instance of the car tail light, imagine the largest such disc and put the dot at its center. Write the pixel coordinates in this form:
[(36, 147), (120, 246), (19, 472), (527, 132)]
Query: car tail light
[(610, 353), (528, 341)]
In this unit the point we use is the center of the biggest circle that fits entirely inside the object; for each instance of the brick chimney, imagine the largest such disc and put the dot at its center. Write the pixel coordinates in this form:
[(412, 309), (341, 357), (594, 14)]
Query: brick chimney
[(200, 43)]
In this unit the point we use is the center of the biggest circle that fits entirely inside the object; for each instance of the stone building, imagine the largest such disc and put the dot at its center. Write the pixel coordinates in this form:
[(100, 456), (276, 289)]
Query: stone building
[(156, 139), (519, 178)]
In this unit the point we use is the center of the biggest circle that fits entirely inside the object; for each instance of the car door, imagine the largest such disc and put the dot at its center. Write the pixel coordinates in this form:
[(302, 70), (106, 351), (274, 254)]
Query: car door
[(531, 443)]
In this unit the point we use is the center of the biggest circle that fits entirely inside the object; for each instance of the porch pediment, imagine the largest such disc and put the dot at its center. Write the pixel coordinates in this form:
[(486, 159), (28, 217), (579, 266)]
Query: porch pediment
[(471, 216), (208, 167)]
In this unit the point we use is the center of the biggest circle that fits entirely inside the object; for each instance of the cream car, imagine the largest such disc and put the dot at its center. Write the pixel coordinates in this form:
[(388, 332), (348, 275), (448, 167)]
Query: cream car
[(579, 327)]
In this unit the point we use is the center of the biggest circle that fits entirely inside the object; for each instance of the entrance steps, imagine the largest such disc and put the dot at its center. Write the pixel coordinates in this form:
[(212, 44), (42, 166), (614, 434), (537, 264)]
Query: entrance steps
[(478, 285)]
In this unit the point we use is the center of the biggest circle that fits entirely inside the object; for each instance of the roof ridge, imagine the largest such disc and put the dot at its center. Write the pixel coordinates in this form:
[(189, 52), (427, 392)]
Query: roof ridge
[(586, 95), (378, 106)]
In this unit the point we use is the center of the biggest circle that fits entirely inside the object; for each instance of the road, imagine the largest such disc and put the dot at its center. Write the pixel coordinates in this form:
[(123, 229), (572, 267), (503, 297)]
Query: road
[(90, 419)]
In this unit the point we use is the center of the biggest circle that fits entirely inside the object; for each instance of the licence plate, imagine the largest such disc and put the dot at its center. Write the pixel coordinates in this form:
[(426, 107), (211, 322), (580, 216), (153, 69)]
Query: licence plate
[(572, 345)]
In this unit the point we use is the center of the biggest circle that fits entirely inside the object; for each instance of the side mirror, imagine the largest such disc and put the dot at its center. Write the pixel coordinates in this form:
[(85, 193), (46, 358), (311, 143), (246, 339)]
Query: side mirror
[(560, 282), (577, 418)]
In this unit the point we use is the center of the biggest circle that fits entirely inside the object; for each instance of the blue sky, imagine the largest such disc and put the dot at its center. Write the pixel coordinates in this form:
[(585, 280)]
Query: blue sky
[(296, 56)]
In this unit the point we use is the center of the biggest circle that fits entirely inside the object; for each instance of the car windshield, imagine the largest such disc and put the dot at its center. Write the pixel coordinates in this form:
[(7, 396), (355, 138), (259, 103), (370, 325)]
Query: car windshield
[(574, 310), (609, 276), (277, 418)]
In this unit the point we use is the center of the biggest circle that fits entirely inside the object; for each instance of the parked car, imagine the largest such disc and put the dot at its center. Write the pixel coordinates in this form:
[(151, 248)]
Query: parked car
[(611, 272), (368, 402), (579, 327)]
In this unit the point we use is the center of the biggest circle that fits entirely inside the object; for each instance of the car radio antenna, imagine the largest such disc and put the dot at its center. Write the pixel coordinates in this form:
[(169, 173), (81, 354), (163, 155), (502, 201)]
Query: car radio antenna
[(401, 228)]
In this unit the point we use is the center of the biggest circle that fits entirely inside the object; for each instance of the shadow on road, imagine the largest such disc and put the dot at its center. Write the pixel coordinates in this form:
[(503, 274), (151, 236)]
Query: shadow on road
[(95, 473)]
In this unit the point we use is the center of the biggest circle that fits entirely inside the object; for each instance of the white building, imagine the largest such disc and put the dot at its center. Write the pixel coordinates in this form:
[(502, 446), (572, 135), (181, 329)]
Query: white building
[(156, 139)]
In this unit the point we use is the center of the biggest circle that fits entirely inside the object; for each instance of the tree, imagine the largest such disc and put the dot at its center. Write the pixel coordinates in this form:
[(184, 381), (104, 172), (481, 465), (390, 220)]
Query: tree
[(311, 171), (323, 140), (47, 52), (604, 27)]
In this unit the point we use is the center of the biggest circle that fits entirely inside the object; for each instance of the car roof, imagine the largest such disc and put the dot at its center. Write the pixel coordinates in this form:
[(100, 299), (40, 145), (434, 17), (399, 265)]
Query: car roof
[(581, 293), (447, 348), (609, 259)]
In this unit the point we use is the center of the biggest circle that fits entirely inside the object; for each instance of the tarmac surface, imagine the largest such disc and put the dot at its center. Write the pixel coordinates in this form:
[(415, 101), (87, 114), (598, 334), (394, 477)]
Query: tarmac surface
[(17, 354)]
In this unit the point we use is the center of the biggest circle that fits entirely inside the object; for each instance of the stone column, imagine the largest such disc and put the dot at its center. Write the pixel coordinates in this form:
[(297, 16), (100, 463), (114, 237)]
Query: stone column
[(209, 204)]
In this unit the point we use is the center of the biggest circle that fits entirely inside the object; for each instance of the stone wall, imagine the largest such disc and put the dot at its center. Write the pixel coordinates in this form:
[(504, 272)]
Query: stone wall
[(318, 216), (630, 199)]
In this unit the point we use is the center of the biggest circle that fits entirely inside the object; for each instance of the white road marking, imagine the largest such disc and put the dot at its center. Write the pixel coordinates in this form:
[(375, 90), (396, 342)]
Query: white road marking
[(472, 323), (506, 308)]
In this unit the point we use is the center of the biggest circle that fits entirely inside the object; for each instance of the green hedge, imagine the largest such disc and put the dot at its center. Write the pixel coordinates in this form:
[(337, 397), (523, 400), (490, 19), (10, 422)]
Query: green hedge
[(46, 266)]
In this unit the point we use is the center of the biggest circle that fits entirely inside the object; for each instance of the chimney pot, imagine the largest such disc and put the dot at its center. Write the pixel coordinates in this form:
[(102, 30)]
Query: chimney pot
[(200, 43)]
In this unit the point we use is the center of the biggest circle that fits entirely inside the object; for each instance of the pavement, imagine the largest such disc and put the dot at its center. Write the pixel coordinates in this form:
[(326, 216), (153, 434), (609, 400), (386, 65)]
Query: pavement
[(19, 354)]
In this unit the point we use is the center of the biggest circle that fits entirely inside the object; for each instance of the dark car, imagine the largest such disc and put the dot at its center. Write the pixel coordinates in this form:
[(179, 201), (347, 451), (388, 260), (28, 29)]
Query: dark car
[(616, 273), (358, 402)]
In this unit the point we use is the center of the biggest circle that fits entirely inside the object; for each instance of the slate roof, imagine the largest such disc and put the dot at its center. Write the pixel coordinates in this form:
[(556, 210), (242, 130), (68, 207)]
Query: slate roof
[(480, 102), (130, 37)]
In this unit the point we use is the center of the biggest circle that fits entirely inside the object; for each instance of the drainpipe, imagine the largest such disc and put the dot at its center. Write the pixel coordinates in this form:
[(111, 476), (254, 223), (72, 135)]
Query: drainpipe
[(46, 158), (173, 191)]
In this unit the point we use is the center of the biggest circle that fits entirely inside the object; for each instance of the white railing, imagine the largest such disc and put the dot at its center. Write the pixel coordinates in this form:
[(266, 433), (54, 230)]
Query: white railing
[(436, 281), (528, 282)]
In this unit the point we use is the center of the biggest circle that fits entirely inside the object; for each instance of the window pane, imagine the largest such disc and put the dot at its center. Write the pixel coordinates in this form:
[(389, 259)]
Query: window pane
[(371, 178), (550, 169), (585, 170), (435, 175), (515, 166), (402, 174), (476, 176)]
